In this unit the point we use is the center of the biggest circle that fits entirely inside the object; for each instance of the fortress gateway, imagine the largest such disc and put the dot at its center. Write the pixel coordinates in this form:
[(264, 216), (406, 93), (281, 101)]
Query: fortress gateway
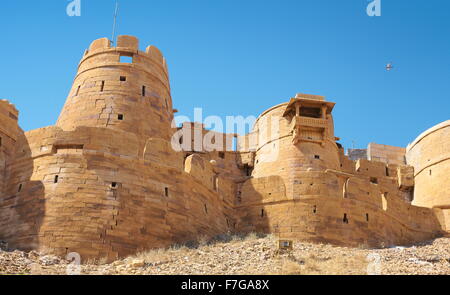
[(105, 180)]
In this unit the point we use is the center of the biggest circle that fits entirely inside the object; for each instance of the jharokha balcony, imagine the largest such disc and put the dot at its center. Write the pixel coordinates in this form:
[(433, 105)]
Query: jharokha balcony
[(310, 122)]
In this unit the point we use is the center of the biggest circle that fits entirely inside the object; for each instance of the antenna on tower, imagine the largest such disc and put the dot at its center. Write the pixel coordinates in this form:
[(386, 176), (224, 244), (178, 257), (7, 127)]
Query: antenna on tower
[(116, 12)]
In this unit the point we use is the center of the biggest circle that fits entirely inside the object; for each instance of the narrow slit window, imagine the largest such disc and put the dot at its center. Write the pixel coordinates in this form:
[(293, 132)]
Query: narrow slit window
[(102, 87), (56, 179), (123, 78), (206, 209), (78, 90), (345, 219), (215, 183), (430, 172), (166, 191), (367, 217), (315, 209), (262, 213), (143, 90), (0, 141), (20, 188)]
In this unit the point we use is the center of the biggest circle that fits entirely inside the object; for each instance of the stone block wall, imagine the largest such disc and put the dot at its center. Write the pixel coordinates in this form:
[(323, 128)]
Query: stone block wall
[(386, 153), (429, 154), (106, 181)]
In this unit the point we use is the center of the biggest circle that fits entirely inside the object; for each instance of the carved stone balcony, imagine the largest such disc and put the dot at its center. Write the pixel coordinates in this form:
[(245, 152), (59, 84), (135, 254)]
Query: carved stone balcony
[(310, 122), (308, 129)]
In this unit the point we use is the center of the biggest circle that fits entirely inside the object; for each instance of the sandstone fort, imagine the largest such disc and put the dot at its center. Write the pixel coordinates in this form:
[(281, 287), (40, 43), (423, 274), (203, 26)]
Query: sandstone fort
[(106, 180)]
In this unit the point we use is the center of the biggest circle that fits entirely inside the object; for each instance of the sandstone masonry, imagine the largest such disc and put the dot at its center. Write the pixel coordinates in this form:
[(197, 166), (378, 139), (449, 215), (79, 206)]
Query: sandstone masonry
[(105, 181)]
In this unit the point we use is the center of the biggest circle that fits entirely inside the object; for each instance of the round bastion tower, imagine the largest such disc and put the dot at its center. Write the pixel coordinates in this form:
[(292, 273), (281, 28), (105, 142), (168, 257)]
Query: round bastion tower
[(120, 88), (296, 137), (430, 156)]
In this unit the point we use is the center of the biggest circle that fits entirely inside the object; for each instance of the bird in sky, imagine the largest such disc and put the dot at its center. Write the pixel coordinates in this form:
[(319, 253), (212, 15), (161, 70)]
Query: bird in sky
[(389, 66)]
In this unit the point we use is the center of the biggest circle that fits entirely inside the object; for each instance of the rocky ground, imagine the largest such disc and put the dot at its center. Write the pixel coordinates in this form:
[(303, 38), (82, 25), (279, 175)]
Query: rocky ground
[(247, 255)]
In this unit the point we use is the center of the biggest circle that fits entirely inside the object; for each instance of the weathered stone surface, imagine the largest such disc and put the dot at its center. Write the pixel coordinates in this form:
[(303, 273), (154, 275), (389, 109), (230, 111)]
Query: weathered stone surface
[(429, 154)]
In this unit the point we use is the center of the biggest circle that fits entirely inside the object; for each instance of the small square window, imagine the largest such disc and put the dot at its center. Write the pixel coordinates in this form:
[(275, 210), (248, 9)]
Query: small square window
[(317, 157), (126, 59), (120, 117), (123, 78)]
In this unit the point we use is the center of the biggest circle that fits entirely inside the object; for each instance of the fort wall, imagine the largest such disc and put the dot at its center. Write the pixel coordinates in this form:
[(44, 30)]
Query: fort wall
[(429, 154), (101, 198), (310, 190), (386, 153), (107, 180)]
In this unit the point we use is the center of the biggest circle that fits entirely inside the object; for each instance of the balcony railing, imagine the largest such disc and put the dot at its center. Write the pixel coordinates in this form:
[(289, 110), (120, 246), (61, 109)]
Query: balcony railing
[(310, 122)]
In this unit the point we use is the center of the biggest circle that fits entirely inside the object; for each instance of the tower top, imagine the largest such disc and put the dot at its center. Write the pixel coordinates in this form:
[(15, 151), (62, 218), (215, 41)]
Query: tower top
[(125, 44)]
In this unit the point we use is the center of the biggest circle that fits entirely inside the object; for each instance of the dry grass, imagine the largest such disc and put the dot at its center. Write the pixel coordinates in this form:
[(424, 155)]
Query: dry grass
[(296, 262), (164, 255), (325, 265)]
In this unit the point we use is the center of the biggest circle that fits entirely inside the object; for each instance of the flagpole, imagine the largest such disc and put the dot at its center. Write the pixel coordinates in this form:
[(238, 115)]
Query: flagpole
[(116, 11)]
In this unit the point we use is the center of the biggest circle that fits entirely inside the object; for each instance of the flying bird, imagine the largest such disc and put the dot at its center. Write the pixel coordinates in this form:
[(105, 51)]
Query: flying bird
[(389, 67)]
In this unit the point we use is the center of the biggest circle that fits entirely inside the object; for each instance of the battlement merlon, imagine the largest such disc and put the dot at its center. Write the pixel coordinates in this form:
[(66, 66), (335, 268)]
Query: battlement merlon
[(127, 45)]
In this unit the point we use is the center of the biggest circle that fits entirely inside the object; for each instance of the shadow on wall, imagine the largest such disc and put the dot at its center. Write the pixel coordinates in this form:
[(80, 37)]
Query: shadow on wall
[(22, 207), (254, 204)]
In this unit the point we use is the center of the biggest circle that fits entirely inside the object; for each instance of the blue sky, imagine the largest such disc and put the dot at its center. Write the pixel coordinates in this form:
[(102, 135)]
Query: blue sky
[(241, 57)]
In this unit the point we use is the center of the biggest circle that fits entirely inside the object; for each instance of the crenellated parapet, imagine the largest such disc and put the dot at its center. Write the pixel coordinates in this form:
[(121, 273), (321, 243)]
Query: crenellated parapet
[(126, 46)]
